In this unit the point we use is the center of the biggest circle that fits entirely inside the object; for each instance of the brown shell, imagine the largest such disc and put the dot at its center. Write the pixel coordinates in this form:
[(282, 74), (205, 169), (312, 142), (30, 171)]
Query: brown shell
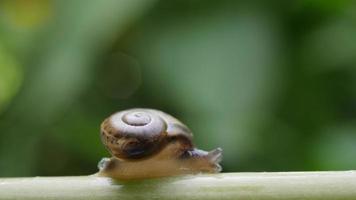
[(139, 133)]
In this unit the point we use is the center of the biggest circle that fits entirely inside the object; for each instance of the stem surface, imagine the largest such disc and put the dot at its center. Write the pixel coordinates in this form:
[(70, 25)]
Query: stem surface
[(275, 185)]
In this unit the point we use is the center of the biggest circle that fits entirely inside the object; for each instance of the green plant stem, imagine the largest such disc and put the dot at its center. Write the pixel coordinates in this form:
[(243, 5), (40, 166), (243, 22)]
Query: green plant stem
[(282, 185)]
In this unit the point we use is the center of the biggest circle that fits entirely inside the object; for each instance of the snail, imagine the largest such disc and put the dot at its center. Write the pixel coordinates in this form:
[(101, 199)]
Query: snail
[(148, 143)]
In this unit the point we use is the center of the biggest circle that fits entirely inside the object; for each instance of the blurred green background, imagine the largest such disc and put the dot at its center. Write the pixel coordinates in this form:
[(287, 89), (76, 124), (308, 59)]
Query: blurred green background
[(271, 82)]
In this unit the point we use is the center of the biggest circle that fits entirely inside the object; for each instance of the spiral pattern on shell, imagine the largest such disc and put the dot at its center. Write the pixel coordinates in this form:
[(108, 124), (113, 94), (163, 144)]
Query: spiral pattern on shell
[(133, 133)]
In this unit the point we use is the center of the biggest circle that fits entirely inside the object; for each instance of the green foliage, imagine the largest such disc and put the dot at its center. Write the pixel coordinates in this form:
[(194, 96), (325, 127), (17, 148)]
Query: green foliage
[(10, 78), (273, 84)]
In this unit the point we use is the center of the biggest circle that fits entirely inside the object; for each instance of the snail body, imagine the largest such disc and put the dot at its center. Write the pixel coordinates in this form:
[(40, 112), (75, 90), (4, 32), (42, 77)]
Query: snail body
[(147, 143)]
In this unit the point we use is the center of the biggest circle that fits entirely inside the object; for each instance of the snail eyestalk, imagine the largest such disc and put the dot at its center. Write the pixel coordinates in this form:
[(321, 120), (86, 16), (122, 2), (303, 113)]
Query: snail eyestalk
[(147, 143)]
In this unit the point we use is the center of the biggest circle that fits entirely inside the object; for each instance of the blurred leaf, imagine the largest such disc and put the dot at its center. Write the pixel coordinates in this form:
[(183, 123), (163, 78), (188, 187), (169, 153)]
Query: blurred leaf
[(218, 68), (120, 77), (326, 5), (336, 149), (263, 80), (26, 13), (10, 78), (81, 30), (332, 46)]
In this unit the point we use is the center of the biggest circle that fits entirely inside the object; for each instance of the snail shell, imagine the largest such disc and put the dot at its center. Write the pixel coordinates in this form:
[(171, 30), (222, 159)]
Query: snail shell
[(140, 133)]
